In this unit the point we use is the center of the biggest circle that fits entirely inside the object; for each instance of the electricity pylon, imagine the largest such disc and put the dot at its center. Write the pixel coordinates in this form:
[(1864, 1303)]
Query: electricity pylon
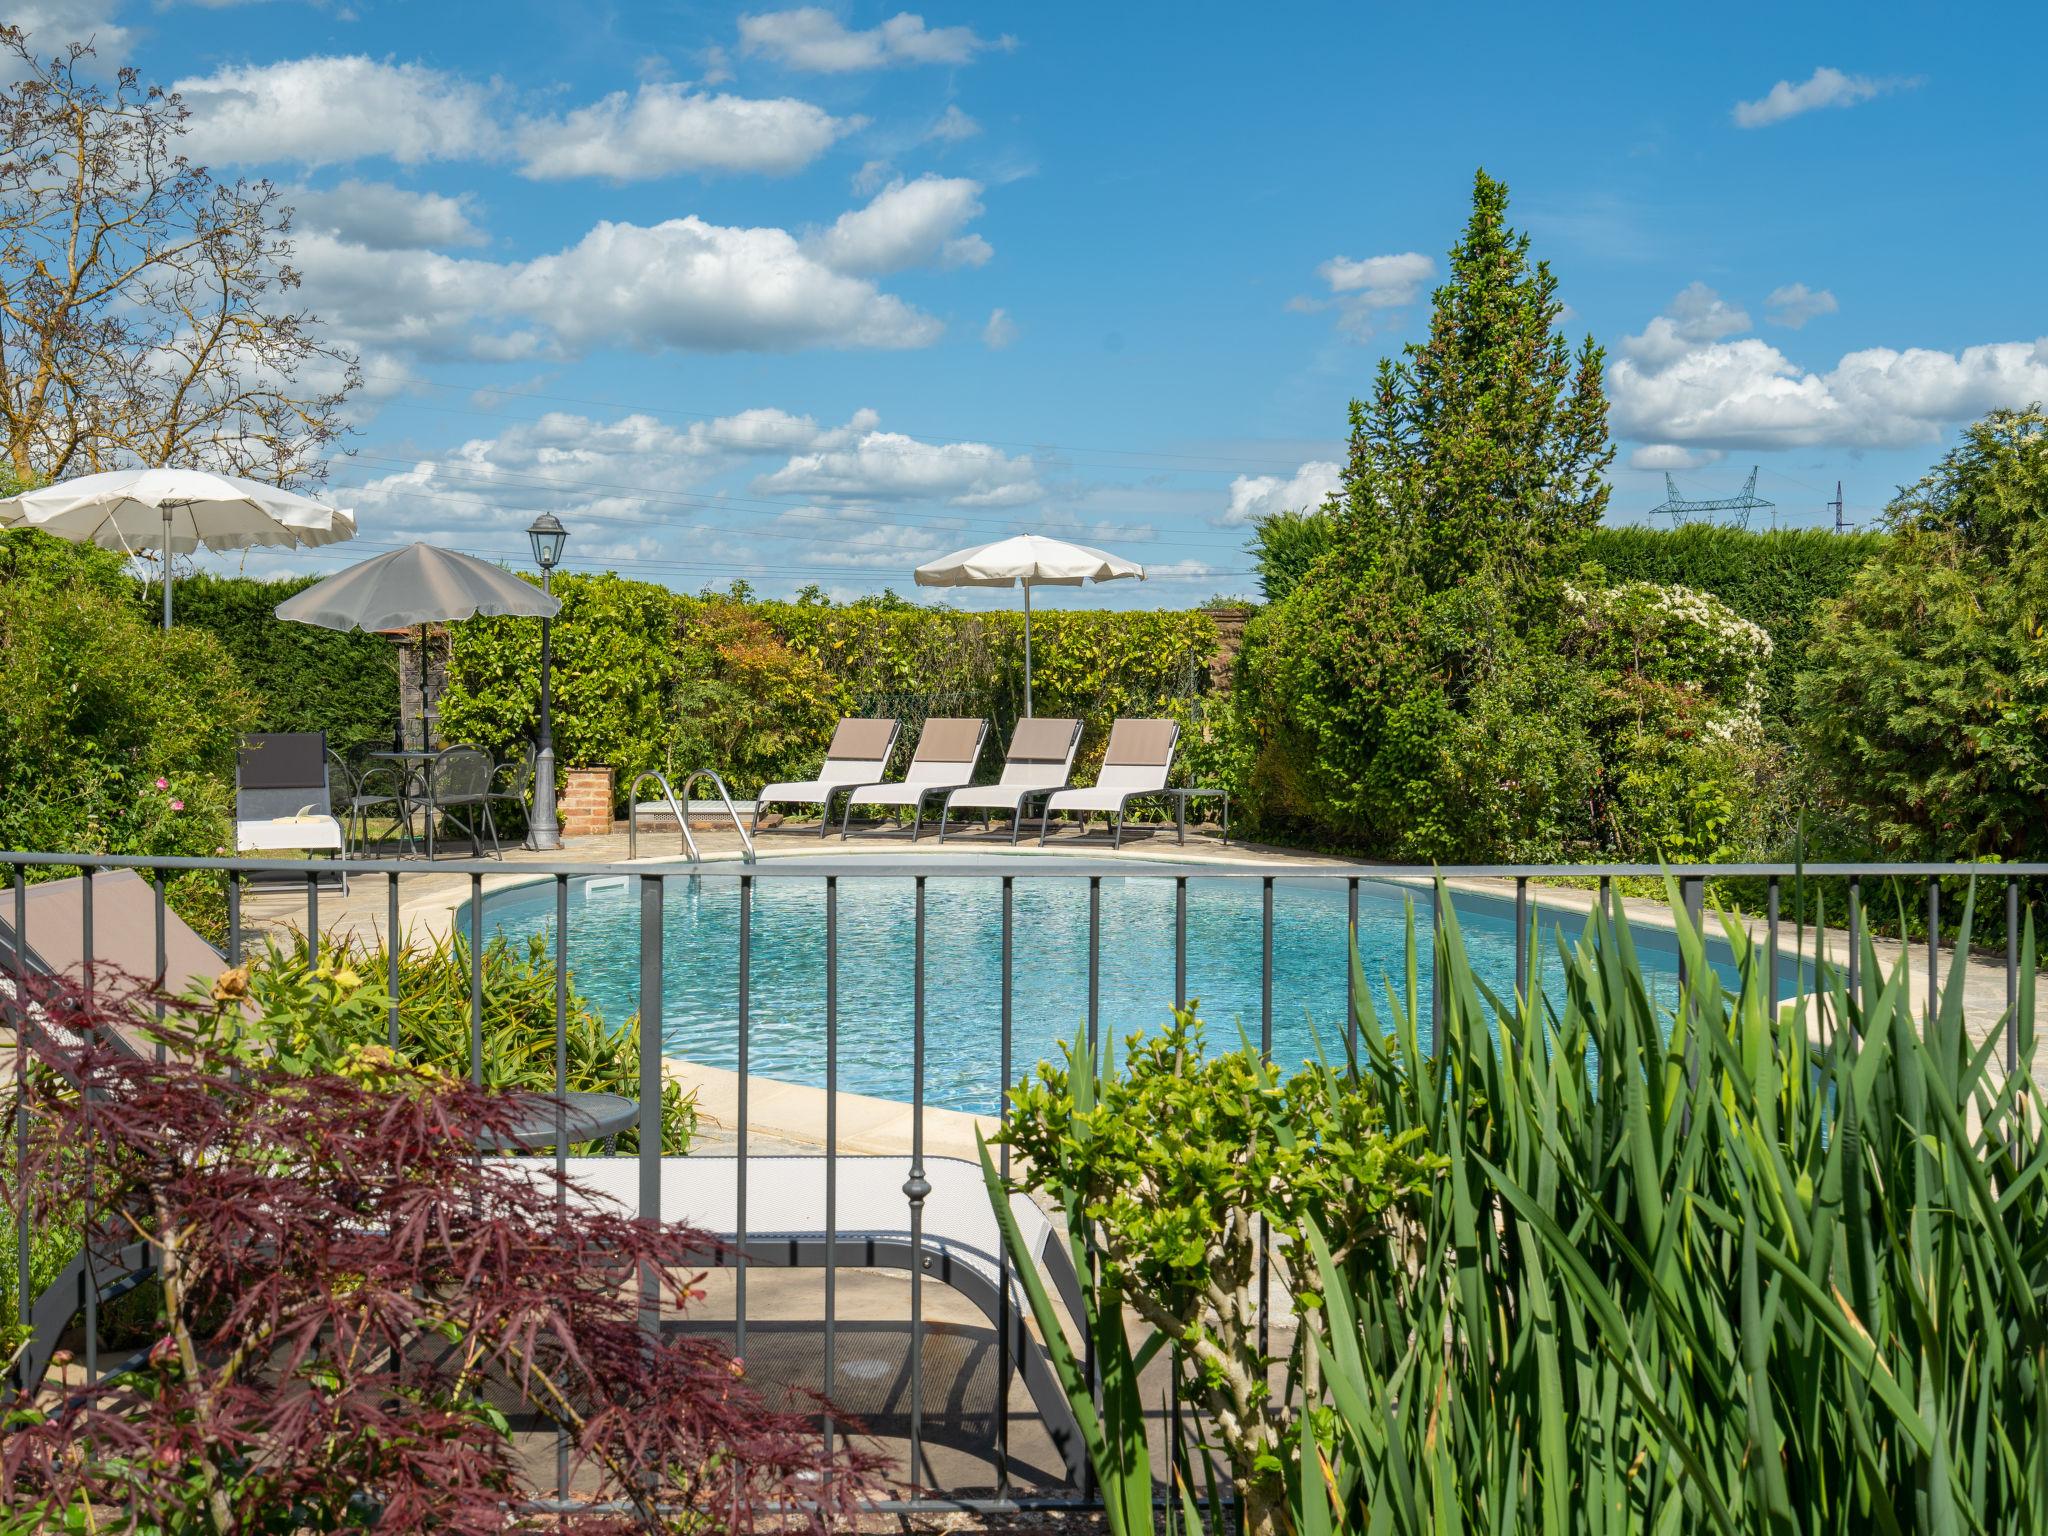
[(1681, 510)]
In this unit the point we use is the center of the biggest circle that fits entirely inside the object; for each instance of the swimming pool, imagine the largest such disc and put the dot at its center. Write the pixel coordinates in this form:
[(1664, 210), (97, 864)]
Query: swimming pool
[(963, 1067)]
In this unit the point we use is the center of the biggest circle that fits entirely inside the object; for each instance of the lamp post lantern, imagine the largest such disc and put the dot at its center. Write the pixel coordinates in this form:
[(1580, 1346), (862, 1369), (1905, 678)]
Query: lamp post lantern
[(543, 831)]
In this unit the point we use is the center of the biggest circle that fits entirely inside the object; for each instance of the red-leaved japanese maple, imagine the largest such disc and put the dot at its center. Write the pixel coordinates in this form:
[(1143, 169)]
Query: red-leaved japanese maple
[(357, 1311)]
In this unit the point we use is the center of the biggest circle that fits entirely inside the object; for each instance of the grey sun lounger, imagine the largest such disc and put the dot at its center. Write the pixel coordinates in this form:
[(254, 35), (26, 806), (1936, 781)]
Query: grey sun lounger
[(284, 801), (859, 754), (947, 750), (1040, 758), (1134, 767), (787, 1227)]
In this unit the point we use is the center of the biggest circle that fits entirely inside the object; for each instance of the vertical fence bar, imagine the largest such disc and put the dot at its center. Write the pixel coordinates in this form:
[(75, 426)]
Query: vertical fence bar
[(1933, 945), (391, 957), (312, 919), (234, 918), (561, 1105), (651, 891), (1180, 941), (2012, 976), (1351, 968), (1607, 897), (85, 1245), (1003, 1363), (1094, 959), (1771, 943), (476, 981), (915, 1188), (22, 1208), (162, 961), (831, 1145), (739, 1280), (1265, 1055), (1090, 1366), (1521, 936), (1436, 991), (1855, 935)]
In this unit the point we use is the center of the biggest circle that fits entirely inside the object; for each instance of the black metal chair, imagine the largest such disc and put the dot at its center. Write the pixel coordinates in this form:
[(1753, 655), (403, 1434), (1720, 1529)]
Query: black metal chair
[(373, 789), (512, 781), (459, 787)]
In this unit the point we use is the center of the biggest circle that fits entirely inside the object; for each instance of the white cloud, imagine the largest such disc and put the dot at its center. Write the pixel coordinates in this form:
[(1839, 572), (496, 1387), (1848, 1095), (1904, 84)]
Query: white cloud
[(324, 111), (50, 24), (888, 466), (1256, 496), (1000, 331), (872, 177), (385, 218), (1794, 304), (682, 283), (1671, 456), (1825, 87), (811, 38), (1361, 288), (1697, 314), (663, 129), (952, 127), (906, 224), (711, 288), (1748, 394), (603, 476)]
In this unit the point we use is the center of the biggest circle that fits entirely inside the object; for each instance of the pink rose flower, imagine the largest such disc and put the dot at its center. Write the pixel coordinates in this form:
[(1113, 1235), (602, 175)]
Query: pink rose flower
[(177, 805), (163, 783)]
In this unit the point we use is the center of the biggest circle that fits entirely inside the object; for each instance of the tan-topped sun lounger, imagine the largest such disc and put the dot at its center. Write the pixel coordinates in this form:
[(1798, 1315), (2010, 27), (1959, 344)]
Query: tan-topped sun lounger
[(1135, 767), (1041, 756), (859, 754), (947, 750)]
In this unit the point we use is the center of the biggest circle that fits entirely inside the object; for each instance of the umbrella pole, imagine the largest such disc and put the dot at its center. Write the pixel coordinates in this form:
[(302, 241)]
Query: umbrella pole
[(425, 743), (167, 570), (1027, 647)]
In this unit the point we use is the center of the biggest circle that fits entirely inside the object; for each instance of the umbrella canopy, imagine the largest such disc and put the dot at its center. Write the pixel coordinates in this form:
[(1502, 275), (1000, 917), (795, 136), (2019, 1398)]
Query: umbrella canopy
[(176, 511), (418, 584), (421, 585), (1027, 560)]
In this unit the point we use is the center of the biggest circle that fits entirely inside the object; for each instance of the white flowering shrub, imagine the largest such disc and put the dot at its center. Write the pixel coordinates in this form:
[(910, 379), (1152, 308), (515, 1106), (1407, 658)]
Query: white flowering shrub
[(1677, 682)]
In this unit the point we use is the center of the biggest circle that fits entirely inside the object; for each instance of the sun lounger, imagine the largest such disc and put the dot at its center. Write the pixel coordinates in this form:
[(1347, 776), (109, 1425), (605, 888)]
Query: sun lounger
[(786, 1227), (947, 751), (1041, 756), (859, 754), (1134, 767), (282, 798)]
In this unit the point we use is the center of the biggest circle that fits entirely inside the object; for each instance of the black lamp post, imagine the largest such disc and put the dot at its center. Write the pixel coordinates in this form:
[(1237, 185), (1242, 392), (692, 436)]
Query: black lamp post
[(543, 831)]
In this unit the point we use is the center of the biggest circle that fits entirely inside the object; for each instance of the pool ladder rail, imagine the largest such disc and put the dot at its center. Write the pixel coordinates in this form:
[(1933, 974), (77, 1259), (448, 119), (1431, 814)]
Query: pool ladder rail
[(679, 806)]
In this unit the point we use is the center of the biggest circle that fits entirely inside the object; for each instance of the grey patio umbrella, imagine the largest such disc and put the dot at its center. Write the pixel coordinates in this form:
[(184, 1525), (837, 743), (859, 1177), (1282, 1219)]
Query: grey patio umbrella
[(417, 585)]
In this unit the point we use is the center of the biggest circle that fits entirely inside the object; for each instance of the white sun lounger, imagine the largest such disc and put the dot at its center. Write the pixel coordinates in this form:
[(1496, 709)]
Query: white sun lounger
[(1041, 756), (1134, 767), (859, 754), (786, 1227), (947, 750)]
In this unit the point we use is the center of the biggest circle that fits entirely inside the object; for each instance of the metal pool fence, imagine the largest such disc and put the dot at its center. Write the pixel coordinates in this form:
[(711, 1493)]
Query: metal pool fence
[(986, 1470)]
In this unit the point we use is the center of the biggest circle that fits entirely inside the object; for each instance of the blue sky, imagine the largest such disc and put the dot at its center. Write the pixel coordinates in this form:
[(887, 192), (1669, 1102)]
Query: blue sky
[(809, 295)]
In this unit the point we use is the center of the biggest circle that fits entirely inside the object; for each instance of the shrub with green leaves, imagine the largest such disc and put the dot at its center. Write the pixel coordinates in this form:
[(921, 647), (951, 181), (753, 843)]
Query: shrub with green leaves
[(1177, 1166), (325, 1016), (1926, 694)]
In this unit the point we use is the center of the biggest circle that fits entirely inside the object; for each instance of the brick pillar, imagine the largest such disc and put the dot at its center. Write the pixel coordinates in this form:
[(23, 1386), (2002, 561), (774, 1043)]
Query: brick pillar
[(586, 804)]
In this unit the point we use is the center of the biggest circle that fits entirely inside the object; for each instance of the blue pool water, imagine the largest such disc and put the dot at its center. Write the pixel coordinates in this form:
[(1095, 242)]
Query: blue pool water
[(963, 1067)]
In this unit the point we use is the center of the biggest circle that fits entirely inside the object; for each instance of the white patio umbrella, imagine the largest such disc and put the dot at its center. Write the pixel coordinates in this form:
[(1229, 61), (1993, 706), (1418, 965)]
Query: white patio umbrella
[(1027, 560), (176, 511)]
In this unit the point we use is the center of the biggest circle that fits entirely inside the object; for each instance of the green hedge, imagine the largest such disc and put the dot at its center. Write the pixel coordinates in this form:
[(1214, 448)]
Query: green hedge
[(649, 678), (1770, 578), (305, 679)]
